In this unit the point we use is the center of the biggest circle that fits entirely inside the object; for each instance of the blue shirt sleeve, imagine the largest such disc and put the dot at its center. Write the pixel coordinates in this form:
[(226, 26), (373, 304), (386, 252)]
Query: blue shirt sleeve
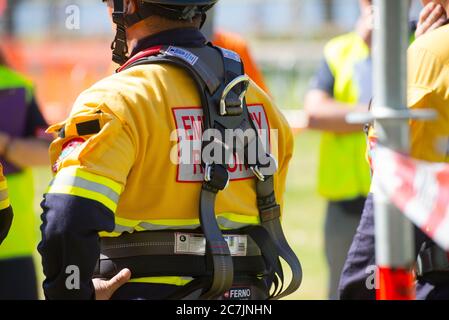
[(323, 80), (363, 77), (70, 241)]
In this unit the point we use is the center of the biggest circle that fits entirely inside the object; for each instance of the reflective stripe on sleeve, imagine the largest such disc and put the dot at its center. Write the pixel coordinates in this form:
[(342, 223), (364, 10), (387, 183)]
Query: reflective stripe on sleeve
[(78, 182), (4, 198)]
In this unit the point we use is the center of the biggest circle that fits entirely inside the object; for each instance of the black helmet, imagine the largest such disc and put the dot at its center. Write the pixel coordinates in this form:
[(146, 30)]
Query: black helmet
[(175, 9), (171, 9), (184, 2)]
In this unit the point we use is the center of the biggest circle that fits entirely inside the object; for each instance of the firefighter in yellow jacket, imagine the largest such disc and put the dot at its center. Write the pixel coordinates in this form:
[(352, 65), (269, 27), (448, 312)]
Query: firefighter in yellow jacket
[(143, 165), (5, 208)]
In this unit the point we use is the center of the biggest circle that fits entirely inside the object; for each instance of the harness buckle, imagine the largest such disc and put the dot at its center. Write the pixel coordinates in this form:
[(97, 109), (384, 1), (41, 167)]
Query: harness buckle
[(118, 17), (244, 79), (257, 173), (265, 171), (217, 176)]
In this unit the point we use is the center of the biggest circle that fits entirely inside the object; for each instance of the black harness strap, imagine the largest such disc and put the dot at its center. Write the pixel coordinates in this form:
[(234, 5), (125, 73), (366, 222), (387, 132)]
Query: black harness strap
[(270, 218), (271, 256), (225, 107), (119, 46)]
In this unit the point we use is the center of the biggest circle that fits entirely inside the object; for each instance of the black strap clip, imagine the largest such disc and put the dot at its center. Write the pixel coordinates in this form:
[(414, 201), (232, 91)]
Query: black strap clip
[(262, 172), (216, 177)]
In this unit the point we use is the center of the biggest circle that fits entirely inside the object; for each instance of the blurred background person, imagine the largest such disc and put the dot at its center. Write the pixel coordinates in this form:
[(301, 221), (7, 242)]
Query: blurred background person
[(342, 85), (23, 144), (427, 88)]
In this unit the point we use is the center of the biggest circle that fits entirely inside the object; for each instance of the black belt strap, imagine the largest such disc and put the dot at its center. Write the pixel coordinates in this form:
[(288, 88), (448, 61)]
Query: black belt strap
[(270, 254), (223, 269), (175, 266), (270, 218)]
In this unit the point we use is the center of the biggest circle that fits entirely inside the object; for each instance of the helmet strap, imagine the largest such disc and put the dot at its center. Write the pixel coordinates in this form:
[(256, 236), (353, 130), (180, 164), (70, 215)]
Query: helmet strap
[(119, 46), (122, 20)]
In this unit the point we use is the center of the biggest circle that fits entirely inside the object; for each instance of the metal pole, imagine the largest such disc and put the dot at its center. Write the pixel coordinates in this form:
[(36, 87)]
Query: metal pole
[(394, 233)]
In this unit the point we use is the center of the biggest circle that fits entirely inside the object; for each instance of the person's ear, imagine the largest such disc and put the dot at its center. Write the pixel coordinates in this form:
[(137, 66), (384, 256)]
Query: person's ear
[(131, 6)]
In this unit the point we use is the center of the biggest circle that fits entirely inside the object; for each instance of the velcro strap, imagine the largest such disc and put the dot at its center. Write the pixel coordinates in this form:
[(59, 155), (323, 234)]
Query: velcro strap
[(88, 128)]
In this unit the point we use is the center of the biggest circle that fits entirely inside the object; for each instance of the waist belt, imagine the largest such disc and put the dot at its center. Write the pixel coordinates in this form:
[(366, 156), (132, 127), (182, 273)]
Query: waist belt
[(165, 253), (433, 265), (150, 243)]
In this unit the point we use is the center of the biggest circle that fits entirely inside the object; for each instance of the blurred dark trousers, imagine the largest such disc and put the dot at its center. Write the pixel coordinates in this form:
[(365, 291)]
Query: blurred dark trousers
[(342, 220), (18, 279)]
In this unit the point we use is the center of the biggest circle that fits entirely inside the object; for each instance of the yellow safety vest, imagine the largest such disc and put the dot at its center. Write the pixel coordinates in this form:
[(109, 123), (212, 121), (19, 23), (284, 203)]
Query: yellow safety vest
[(343, 171), (22, 237), (4, 198)]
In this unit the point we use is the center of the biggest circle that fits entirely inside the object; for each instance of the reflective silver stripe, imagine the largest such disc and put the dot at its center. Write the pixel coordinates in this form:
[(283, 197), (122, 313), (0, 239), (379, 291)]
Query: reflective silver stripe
[(66, 180), (157, 227), (121, 229), (147, 226), (3, 195), (229, 224)]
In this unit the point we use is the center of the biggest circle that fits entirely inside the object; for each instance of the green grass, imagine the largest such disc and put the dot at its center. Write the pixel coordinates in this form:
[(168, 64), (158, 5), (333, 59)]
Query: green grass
[(303, 217)]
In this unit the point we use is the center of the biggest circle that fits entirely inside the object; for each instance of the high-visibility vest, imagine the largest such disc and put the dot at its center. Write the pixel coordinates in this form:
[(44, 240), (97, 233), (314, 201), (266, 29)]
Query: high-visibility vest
[(343, 171), (21, 239)]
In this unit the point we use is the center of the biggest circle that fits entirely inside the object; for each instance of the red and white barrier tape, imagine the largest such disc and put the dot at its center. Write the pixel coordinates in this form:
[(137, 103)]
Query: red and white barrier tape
[(419, 189)]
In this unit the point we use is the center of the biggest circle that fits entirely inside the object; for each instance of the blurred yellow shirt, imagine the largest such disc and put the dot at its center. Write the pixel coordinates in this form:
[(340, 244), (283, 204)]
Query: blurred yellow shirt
[(4, 199), (428, 88), (137, 112)]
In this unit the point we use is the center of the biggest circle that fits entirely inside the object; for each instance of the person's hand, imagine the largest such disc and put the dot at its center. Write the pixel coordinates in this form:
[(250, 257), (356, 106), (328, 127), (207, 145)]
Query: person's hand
[(431, 17), (104, 289), (5, 139), (365, 25)]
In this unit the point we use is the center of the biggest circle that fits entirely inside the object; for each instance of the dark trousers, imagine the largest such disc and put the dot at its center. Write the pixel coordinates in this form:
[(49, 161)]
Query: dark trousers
[(18, 279), (361, 259), (342, 219)]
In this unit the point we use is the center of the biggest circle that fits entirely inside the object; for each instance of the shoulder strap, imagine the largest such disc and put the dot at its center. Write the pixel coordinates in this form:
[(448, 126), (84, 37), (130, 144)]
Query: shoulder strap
[(224, 106)]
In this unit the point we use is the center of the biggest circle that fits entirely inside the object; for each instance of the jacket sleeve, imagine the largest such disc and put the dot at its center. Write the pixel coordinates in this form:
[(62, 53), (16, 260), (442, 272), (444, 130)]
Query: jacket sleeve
[(6, 217), (70, 244), (6, 214), (91, 159)]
